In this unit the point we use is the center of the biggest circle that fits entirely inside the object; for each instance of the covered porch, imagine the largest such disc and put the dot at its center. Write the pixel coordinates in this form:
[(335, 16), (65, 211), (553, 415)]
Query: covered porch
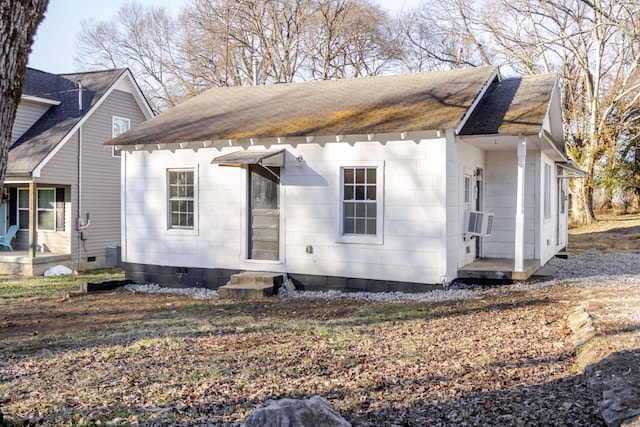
[(22, 263)]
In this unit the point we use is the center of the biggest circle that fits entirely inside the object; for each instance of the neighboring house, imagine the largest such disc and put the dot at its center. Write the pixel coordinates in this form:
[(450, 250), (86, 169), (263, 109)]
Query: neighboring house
[(368, 183), (62, 187)]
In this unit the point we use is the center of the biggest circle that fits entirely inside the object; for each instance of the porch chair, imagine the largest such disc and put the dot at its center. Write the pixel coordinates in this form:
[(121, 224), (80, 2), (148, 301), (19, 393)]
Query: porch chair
[(5, 241)]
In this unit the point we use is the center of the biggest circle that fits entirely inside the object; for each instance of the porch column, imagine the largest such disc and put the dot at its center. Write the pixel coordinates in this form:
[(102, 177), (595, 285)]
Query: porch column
[(33, 208), (519, 237)]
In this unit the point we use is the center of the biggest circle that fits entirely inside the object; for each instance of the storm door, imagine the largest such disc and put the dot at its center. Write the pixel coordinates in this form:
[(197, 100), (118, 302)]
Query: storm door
[(478, 202), (264, 212)]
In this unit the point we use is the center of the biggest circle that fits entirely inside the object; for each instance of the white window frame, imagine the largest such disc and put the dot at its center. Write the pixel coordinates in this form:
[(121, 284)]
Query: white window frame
[(20, 225), (378, 238), (547, 192), (468, 190), (38, 209), (115, 152), (193, 230)]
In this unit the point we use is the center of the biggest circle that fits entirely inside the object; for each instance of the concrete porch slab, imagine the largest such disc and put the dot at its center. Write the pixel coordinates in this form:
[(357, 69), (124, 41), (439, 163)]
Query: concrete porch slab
[(498, 269), (20, 263)]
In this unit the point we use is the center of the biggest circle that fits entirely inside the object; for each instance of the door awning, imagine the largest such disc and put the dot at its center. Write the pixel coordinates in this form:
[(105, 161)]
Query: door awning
[(571, 167), (274, 158)]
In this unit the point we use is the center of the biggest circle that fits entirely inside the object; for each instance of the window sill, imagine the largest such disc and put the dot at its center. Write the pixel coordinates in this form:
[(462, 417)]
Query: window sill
[(263, 261), (364, 240), (181, 232)]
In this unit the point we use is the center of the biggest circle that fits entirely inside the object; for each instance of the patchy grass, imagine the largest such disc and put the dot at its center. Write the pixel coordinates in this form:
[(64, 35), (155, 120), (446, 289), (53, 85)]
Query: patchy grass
[(121, 358), (16, 287), (620, 232)]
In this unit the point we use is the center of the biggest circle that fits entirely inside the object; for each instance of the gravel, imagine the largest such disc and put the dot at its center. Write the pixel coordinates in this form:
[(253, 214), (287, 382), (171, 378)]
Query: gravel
[(196, 293), (591, 268)]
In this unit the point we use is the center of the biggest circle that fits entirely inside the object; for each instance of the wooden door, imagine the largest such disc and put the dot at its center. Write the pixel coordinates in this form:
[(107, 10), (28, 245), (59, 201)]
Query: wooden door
[(264, 213)]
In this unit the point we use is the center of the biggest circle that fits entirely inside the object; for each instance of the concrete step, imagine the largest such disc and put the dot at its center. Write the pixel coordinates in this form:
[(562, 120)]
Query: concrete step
[(251, 285)]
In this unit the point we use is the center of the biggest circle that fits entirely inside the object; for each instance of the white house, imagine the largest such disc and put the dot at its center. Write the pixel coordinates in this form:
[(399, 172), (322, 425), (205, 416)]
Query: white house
[(381, 183)]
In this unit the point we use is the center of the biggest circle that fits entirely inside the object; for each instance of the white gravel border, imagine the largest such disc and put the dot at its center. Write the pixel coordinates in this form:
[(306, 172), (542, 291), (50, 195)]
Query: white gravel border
[(614, 269)]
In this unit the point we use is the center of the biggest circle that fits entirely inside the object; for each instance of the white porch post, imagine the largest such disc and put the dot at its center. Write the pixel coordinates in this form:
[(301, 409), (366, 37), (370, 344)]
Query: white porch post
[(519, 237)]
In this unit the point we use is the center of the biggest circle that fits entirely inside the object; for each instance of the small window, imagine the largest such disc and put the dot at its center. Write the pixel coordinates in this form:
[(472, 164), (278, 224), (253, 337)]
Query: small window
[(181, 200), (547, 191), (467, 189), (23, 208), (119, 126), (47, 209), (359, 201), (361, 204)]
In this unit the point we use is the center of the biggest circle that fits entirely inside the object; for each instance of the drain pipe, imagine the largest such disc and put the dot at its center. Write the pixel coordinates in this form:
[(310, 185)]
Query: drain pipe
[(81, 223), (79, 204)]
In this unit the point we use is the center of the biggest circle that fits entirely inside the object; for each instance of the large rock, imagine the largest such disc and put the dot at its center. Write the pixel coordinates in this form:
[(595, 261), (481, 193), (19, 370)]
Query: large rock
[(313, 412), (615, 386)]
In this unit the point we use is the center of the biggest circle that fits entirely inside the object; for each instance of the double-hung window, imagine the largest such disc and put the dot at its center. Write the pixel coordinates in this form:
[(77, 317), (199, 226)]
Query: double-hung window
[(46, 209), (181, 199), (361, 203), (467, 190), (119, 125), (547, 191)]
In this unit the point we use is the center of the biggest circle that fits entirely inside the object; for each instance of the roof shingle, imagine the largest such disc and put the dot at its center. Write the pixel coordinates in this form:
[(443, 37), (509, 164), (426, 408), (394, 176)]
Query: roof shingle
[(32, 147), (410, 102), (515, 106)]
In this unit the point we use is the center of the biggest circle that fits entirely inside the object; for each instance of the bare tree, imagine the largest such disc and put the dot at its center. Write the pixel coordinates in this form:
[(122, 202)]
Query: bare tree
[(350, 38), (224, 42), (18, 23), (442, 35), (598, 62), (144, 39), (593, 44)]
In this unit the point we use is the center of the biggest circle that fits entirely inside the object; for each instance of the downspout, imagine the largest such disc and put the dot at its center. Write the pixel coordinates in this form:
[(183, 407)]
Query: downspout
[(79, 204), (519, 234), (80, 223)]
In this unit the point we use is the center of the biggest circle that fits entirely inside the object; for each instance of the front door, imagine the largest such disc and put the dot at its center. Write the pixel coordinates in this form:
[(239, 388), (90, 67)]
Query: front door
[(478, 202), (264, 213)]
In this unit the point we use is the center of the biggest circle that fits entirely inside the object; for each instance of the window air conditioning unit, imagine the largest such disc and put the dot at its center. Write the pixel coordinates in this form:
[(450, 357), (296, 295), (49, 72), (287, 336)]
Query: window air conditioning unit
[(478, 223)]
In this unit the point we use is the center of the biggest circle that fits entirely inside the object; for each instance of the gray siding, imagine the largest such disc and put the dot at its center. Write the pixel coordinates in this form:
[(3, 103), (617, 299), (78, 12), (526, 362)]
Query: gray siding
[(28, 113), (100, 186)]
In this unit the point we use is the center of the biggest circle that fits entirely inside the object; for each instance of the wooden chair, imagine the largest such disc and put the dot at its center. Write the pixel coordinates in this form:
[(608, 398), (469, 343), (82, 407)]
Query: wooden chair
[(5, 241)]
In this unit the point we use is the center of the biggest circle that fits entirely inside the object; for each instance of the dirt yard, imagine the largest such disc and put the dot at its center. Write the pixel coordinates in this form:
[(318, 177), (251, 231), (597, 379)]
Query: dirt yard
[(504, 359)]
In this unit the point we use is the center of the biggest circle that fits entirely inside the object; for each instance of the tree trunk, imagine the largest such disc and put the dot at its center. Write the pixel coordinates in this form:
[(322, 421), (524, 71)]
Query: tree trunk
[(582, 201), (19, 20)]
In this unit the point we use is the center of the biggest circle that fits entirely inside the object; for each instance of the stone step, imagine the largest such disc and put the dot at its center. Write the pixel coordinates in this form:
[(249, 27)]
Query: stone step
[(256, 277), (251, 285)]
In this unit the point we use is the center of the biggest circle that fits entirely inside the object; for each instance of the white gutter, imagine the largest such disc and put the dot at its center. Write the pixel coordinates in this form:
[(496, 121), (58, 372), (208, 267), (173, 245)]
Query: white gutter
[(545, 135), (39, 100)]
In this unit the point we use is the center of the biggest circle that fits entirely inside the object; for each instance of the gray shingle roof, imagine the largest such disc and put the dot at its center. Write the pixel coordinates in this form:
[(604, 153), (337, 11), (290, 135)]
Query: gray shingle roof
[(32, 147), (421, 101), (512, 106)]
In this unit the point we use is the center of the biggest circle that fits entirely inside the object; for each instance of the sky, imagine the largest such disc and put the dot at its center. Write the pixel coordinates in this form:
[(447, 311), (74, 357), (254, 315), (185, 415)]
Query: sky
[(53, 47)]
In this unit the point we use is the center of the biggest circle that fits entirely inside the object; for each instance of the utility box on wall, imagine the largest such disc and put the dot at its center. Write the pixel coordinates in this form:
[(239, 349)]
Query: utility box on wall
[(113, 256)]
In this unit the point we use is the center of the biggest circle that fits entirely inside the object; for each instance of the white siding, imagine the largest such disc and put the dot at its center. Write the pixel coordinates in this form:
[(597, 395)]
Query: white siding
[(548, 226), (471, 158), (500, 198), (28, 113), (414, 212)]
